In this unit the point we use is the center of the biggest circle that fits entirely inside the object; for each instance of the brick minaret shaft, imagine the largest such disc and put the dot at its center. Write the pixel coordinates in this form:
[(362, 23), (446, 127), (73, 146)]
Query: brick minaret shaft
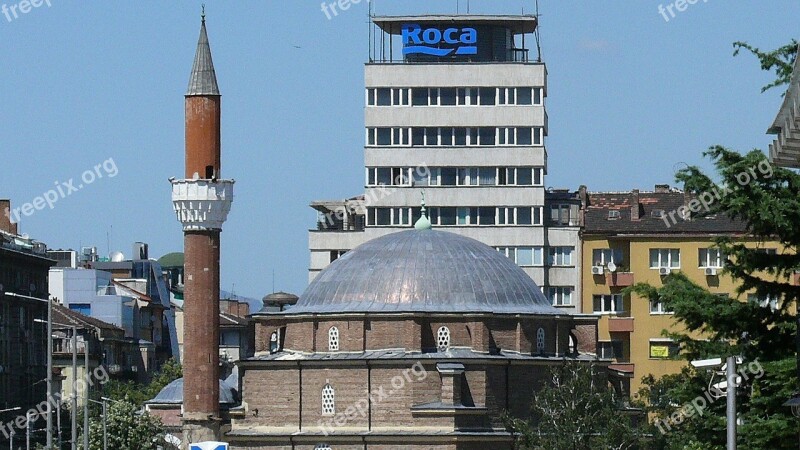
[(202, 201), (202, 253)]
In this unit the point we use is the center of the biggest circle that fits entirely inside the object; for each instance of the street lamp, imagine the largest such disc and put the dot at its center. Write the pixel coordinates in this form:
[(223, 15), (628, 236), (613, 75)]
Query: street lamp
[(74, 339), (105, 411), (11, 436), (730, 384)]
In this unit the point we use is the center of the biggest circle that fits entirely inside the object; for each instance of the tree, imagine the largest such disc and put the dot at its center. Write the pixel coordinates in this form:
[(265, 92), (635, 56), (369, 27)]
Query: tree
[(127, 429), (139, 393), (576, 410), (768, 204), (780, 60)]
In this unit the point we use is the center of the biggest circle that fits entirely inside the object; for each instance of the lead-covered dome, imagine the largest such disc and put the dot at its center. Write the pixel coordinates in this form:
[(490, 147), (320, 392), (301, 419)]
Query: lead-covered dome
[(423, 271)]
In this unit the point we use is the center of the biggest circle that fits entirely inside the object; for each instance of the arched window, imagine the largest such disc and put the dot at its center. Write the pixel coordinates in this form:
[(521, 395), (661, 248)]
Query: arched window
[(443, 339), (333, 339), (322, 447), (328, 401), (540, 344)]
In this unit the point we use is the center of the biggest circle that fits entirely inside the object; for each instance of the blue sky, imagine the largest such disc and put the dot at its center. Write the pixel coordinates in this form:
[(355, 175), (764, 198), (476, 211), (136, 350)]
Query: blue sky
[(631, 97)]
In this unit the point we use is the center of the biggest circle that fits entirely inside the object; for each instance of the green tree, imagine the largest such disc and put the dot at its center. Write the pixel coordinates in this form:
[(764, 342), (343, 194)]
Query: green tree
[(576, 410), (780, 60), (127, 429), (769, 206), (139, 393)]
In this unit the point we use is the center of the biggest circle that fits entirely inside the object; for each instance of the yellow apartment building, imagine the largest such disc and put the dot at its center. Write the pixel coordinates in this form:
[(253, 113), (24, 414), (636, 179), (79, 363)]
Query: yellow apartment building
[(635, 237)]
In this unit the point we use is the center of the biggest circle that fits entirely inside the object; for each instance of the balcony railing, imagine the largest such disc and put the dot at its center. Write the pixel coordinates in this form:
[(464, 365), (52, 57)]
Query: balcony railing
[(619, 279)]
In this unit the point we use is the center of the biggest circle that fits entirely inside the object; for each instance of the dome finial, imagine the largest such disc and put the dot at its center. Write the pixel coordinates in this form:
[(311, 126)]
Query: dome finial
[(423, 223), (203, 12)]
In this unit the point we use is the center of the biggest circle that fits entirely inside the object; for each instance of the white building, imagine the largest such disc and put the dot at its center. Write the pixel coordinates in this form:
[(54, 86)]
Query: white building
[(455, 107)]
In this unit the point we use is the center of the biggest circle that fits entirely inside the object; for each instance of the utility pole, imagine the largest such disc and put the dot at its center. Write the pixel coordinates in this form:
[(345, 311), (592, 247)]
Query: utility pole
[(74, 445), (731, 397), (86, 394), (50, 374)]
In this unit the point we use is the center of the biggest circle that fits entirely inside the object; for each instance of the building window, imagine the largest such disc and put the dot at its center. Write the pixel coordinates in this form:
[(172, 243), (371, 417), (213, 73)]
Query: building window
[(610, 349), (560, 296), (336, 254), (607, 304), (322, 447), (443, 339), (328, 401), (524, 256), (765, 301), (711, 258), (540, 342), (562, 215), (614, 215), (560, 256), (83, 308), (333, 339), (665, 257), (603, 256), (664, 349), (658, 307)]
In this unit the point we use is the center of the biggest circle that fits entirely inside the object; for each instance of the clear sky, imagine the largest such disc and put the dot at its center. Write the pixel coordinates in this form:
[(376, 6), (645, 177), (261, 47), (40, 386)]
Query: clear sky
[(631, 97)]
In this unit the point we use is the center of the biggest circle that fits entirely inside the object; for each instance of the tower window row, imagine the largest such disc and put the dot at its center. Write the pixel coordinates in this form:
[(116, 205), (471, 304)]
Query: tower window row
[(457, 216), (455, 176), (456, 96), (455, 136)]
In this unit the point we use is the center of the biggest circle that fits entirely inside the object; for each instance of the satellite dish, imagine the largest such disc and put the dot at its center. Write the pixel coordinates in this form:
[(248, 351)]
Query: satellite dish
[(612, 267), (117, 257)]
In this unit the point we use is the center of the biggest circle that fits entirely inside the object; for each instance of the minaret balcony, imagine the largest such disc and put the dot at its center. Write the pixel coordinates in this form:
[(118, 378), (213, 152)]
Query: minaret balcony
[(202, 205)]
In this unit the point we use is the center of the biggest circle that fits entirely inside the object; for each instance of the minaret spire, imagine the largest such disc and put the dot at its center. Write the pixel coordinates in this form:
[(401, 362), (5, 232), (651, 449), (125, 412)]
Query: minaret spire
[(203, 80)]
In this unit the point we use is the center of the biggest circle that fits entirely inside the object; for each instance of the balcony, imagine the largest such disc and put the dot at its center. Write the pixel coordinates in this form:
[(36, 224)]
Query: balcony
[(620, 324), (619, 279)]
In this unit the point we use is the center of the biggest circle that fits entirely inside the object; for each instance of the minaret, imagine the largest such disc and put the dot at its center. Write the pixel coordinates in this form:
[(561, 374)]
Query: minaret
[(202, 202)]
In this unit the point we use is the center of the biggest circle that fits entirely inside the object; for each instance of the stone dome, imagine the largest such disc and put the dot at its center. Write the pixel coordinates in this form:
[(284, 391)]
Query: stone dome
[(426, 271)]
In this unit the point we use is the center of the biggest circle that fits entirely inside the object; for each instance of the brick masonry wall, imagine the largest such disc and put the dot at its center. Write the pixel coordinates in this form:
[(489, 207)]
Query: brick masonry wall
[(275, 393)]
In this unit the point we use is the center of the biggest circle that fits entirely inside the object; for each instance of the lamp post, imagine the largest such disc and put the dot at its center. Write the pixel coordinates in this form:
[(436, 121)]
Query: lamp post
[(105, 412), (11, 436), (731, 382), (86, 395), (74, 342)]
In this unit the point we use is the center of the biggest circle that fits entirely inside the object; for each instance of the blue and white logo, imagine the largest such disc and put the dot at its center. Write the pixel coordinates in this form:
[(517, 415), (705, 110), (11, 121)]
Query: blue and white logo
[(459, 41)]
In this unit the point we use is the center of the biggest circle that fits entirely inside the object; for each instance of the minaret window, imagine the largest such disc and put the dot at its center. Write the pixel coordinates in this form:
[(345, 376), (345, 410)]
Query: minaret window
[(328, 401), (540, 343), (443, 339), (333, 339)]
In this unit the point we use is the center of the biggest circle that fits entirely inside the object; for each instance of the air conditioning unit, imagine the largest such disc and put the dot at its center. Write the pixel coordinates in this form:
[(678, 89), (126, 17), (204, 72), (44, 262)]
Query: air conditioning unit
[(711, 271), (664, 271), (597, 270)]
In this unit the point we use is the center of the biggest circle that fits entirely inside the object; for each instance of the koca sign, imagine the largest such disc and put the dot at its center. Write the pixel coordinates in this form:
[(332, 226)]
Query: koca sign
[(428, 41)]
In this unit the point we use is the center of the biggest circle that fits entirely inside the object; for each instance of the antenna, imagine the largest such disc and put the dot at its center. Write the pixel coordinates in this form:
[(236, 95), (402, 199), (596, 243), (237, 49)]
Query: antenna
[(273, 281), (536, 33)]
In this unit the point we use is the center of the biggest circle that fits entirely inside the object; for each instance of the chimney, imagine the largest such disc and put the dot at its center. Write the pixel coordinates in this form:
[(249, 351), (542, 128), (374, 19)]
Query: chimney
[(583, 195), (5, 217), (636, 212), (662, 188)]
